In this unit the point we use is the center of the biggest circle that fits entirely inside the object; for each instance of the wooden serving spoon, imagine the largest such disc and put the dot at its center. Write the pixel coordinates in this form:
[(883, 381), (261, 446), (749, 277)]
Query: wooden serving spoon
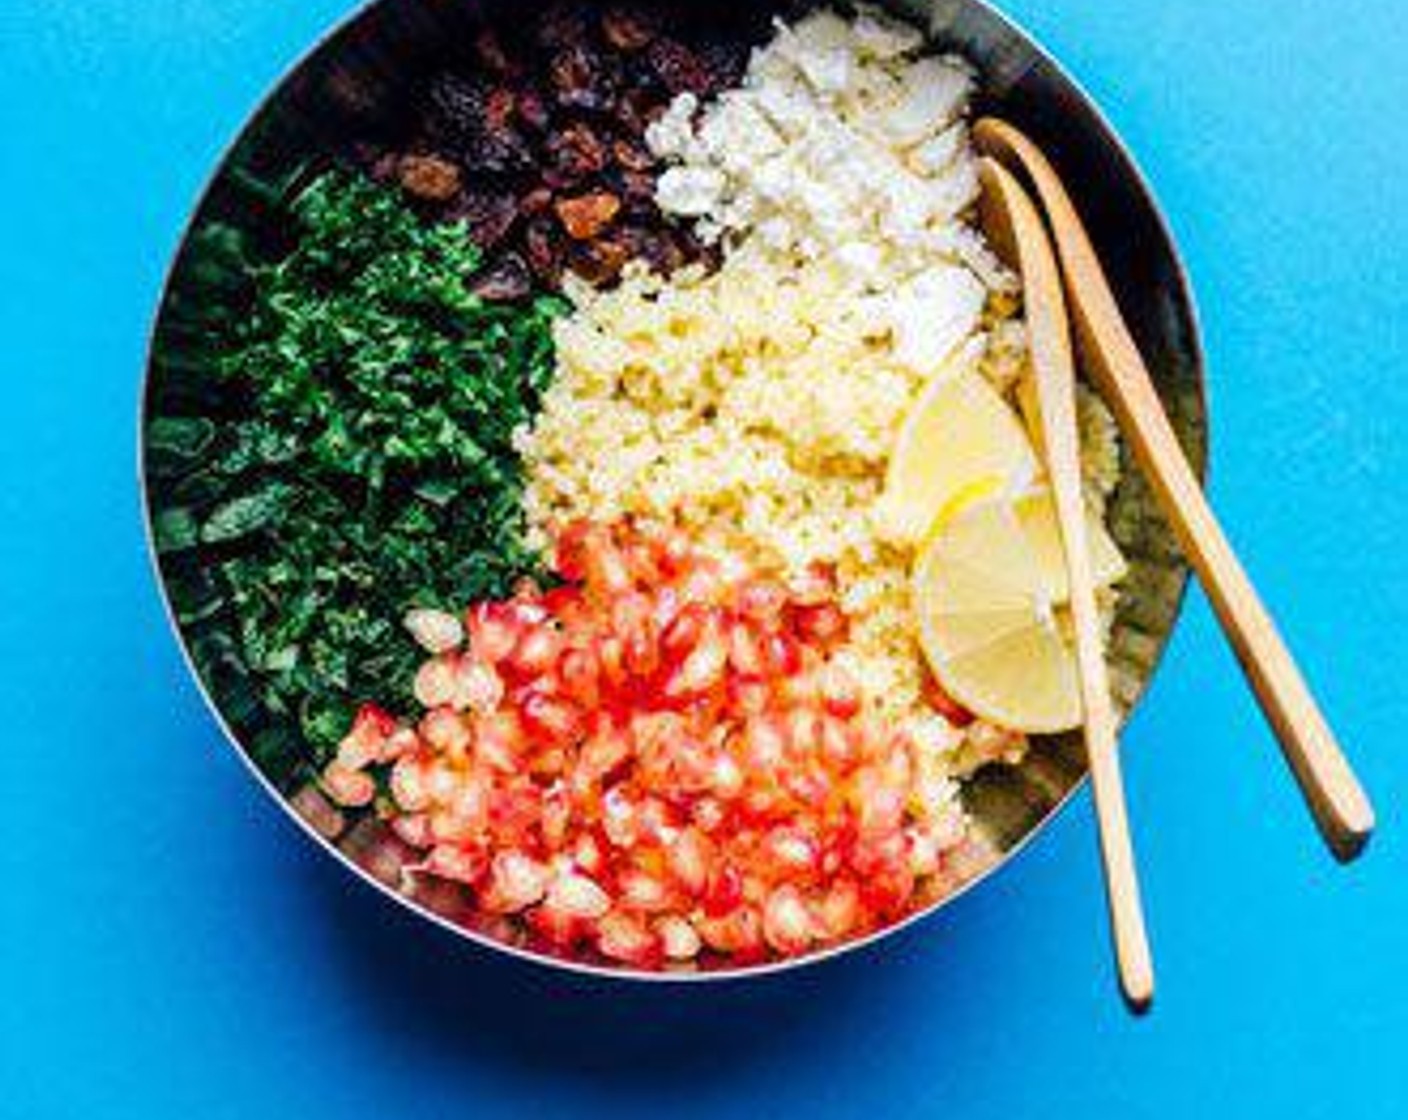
[(1012, 223), (1338, 802)]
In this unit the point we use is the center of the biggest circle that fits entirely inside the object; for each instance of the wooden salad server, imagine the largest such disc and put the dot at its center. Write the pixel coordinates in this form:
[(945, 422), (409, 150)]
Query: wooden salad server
[(1339, 804), (1012, 222)]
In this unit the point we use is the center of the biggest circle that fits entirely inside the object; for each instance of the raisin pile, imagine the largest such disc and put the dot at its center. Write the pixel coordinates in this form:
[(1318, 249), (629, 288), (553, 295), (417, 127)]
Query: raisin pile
[(536, 140)]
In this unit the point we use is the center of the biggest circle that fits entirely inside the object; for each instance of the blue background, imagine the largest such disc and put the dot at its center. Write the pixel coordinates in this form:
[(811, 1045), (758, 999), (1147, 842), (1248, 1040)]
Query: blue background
[(172, 947)]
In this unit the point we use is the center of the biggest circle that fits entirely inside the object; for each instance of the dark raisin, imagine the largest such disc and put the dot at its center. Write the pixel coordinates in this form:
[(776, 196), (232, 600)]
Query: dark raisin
[(535, 202), (544, 248), (586, 215), (505, 279), (471, 119), (600, 261), (532, 110), (655, 246), (383, 167), (637, 108), (563, 25), (493, 56), (578, 80), (725, 64), (490, 216), (632, 155), (628, 29), (428, 177), (679, 68), (577, 151), (638, 189)]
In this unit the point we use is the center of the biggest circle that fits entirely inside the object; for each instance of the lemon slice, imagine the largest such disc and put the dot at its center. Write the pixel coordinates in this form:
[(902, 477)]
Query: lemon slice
[(1037, 513), (987, 589), (961, 442)]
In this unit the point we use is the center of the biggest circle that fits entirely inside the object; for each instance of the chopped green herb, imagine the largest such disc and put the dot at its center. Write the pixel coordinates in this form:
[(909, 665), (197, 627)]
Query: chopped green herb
[(338, 449)]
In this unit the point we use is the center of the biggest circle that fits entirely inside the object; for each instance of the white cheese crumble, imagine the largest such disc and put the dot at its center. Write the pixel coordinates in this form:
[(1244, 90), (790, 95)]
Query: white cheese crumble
[(845, 144)]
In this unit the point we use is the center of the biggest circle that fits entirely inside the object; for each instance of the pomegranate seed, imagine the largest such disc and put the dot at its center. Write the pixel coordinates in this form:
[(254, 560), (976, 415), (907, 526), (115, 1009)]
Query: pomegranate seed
[(790, 853), (604, 752), (434, 631), (879, 801), (709, 814), (702, 582), (764, 745), (556, 927), (577, 896), (702, 669), (838, 742), (570, 549), (679, 940), (689, 858), (408, 784), (556, 819), (611, 653), (399, 744), (838, 911), (493, 632), (587, 854), (450, 861), (824, 623), (314, 807), (443, 730), (724, 890), (363, 743), (683, 634), (349, 788), (787, 925), (726, 777), (739, 932), (498, 740), (641, 891), (619, 818), (839, 691), (803, 732), (607, 575), (626, 938), (813, 587), (434, 684), (536, 652), (748, 697), (782, 656), (762, 601), (477, 687), (515, 881), (676, 550), (809, 784), (744, 653), (554, 719), (578, 674)]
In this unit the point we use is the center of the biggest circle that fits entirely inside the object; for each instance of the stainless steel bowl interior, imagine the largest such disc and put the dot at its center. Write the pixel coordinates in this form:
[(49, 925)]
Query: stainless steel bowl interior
[(350, 81)]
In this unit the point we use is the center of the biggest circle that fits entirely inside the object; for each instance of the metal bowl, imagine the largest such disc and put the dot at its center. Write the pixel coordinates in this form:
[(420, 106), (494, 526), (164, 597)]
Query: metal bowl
[(349, 80)]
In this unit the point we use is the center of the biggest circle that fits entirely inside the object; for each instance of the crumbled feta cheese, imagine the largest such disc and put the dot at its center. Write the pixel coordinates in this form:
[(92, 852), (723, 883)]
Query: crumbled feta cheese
[(844, 143), (690, 191)]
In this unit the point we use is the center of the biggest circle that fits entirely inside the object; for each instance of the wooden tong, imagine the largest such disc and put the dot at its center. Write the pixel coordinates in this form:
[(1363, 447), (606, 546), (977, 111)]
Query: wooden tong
[(1335, 797), (1015, 228)]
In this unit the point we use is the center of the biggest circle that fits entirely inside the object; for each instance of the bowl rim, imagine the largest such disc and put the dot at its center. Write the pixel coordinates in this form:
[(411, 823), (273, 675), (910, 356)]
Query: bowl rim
[(591, 970)]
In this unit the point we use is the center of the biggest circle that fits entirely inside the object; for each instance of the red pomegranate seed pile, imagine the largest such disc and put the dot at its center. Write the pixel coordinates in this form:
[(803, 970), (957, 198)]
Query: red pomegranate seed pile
[(653, 761)]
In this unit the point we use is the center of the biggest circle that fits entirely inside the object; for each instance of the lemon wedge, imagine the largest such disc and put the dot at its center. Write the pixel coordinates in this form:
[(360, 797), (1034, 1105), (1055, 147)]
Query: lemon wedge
[(961, 442), (988, 588)]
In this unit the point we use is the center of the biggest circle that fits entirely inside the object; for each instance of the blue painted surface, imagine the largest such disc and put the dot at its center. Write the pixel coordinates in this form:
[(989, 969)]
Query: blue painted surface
[(169, 946)]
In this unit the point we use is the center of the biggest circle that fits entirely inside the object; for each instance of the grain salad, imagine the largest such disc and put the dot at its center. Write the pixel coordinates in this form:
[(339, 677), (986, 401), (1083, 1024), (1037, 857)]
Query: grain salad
[(627, 514)]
